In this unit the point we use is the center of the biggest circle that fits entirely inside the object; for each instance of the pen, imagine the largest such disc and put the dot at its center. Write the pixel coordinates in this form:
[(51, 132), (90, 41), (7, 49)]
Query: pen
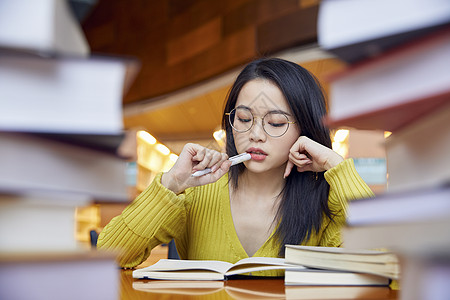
[(234, 160)]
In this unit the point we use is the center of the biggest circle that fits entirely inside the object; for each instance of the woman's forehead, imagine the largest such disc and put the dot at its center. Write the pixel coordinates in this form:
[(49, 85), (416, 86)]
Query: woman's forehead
[(262, 95)]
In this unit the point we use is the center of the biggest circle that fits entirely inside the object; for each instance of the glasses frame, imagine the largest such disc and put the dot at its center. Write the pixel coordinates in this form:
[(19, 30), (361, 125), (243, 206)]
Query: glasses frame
[(253, 122)]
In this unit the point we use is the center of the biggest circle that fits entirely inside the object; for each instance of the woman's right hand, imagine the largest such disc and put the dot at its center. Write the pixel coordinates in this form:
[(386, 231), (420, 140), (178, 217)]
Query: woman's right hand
[(194, 158)]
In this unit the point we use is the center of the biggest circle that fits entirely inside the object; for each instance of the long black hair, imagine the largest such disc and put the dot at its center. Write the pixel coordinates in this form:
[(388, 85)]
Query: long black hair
[(304, 198)]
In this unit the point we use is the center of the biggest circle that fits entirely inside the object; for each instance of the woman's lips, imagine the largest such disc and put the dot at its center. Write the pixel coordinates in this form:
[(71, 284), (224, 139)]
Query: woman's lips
[(257, 154)]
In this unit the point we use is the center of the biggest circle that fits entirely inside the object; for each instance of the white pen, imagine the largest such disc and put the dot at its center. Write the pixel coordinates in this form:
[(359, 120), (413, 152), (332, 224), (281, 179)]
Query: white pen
[(234, 160)]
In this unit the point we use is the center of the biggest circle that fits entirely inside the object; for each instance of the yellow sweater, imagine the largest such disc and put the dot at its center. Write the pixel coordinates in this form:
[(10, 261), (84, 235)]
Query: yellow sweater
[(200, 221)]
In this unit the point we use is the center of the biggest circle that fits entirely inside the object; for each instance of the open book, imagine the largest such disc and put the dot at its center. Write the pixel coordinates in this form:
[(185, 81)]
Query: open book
[(364, 261), (174, 269)]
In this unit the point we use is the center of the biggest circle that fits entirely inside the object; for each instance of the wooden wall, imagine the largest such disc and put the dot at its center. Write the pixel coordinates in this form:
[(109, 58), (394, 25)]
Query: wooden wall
[(182, 42)]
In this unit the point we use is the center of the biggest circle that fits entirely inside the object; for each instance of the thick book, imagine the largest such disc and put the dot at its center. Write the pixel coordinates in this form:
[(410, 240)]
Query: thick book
[(425, 277), (394, 89), (54, 275), (47, 27), (399, 207), (309, 276), (351, 29), (39, 222), (424, 237), (175, 269), (415, 221), (375, 262), (32, 163), (418, 155), (63, 95)]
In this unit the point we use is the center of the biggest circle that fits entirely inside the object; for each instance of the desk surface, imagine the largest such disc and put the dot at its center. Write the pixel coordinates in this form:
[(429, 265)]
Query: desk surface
[(132, 289)]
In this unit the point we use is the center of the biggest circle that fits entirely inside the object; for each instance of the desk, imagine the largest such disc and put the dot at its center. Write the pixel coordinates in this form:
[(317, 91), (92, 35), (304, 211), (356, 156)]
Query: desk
[(246, 289)]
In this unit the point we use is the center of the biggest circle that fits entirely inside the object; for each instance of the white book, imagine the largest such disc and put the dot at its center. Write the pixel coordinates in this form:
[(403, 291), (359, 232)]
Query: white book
[(418, 155), (424, 237), (71, 276), (393, 90), (39, 222), (360, 260), (399, 207), (43, 26), (313, 277), (415, 221), (65, 95), (176, 269), (352, 29), (425, 278), (31, 163)]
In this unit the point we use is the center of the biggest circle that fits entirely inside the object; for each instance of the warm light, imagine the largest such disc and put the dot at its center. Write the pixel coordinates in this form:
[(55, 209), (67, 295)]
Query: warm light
[(340, 135), (147, 137), (387, 134), (340, 148), (173, 157), (162, 149), (219, 135)]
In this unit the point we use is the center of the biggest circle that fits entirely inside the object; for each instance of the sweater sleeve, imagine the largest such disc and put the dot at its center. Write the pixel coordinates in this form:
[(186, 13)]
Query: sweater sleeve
[(156, 216), (345, 185)]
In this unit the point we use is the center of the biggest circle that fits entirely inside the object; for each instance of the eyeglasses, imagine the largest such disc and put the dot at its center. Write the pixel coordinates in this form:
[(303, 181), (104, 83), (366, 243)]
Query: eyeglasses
[(274, 124)]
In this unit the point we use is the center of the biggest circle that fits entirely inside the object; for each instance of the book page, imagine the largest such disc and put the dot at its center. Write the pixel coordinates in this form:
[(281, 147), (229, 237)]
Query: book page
[(252, 264), (178, 265)]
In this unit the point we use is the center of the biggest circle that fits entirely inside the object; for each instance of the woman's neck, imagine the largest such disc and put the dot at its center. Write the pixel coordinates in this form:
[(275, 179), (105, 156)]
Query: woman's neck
[(261, 185)]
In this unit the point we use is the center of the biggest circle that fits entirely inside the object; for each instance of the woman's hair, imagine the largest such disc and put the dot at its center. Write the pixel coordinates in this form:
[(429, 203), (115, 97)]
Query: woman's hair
[(304, 201)]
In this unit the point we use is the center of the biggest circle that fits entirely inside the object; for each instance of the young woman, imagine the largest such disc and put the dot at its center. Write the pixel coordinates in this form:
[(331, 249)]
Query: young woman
[(294, 190)]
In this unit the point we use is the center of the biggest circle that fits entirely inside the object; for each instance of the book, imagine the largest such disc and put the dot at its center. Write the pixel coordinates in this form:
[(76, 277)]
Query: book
[(175, 269), (413, 221), (32, 163), (55, 275), (395, 89), (352, 30), (39, 222), (382, 263), (425, 278), (108, 143), (63, 95), (47, 27), (419, 237), (417, 155), (412, 205), (309, 276)]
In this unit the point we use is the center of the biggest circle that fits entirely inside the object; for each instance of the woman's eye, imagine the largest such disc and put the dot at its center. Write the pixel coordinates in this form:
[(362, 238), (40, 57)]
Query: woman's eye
[(277, 124), (244, 120)]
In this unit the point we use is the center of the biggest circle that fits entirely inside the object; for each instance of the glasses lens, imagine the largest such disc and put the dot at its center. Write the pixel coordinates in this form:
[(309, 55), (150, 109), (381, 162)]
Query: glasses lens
[(276, 124), (241, 119)]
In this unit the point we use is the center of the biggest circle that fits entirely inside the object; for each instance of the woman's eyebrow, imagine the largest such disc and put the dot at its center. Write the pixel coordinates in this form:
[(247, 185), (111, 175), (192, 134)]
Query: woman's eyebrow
[(279, 111)]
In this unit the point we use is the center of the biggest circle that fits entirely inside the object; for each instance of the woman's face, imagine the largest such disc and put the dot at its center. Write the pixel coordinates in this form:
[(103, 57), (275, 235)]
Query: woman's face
[(263, 98)]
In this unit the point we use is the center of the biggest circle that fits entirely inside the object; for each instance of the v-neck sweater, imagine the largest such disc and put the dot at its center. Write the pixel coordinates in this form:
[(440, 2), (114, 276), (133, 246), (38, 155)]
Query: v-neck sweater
[(200, 221)]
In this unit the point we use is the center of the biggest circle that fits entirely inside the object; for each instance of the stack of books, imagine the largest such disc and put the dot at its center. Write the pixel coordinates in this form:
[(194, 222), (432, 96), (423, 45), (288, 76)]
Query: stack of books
[(60, 132), (397, 80), (330, 266)]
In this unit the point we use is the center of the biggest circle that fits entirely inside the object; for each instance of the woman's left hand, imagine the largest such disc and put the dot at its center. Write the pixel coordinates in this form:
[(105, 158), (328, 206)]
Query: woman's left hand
[(308, 155)]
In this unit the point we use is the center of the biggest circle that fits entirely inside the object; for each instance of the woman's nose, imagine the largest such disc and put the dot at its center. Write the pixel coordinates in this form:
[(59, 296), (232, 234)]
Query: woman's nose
[(257, 132)]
